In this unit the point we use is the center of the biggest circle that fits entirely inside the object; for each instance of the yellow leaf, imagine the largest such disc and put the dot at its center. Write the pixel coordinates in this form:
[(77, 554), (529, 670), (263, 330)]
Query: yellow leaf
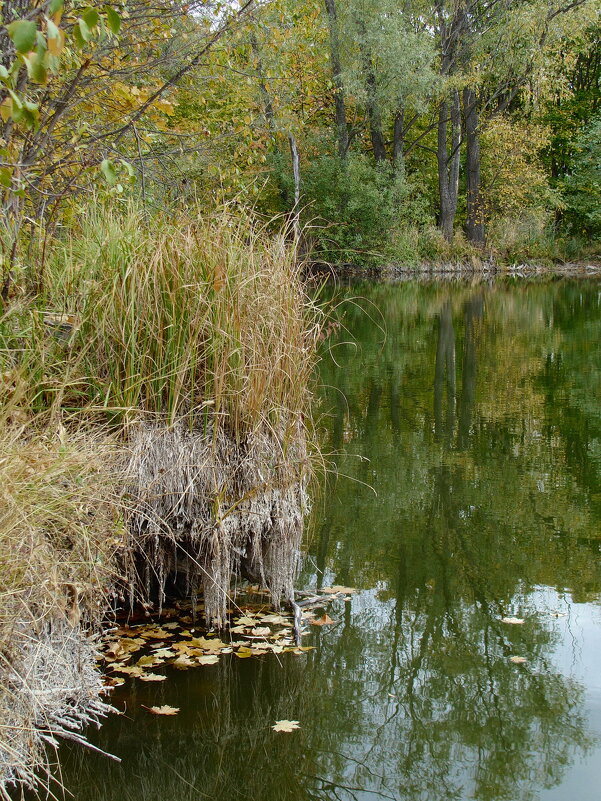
[(153, 677), (324, 620), (163, 710), (286, 725), (207, 660)]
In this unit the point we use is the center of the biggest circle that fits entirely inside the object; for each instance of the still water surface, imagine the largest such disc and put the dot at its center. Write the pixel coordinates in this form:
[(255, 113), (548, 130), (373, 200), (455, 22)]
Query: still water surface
[(465, 424)]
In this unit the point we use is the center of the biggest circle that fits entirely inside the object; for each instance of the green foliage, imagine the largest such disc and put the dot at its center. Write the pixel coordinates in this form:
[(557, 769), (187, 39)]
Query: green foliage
[(582, 187), (357, 209)]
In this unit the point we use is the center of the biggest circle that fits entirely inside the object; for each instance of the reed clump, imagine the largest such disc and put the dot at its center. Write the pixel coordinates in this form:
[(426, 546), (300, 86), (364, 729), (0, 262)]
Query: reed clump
[(154, 430)]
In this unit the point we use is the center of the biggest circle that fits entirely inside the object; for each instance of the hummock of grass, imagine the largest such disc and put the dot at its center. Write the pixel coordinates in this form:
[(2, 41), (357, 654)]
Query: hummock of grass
[(190, 343), (58, 539)]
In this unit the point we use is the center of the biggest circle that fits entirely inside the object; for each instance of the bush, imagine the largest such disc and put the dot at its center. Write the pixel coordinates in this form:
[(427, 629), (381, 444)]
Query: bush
[(582, 187), (359, 212)]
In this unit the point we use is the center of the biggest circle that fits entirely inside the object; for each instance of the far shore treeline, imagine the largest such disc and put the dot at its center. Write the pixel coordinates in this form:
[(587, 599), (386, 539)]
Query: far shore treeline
[(426, 130)]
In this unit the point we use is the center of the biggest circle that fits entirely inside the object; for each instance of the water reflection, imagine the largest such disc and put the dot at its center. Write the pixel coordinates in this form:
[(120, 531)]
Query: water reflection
[(470, 437)]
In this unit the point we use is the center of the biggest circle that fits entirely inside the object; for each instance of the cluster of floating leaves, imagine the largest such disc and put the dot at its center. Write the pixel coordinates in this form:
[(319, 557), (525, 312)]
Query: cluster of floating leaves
[(138, 651)]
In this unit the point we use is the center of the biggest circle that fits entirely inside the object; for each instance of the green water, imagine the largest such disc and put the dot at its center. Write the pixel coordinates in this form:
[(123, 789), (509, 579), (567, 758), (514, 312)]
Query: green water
[(465, 424)]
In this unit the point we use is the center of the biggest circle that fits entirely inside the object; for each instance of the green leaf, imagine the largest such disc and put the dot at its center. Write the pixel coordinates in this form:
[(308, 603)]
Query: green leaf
[(91, 17), (36, 69), (5, 177), (52, 29), (84, 31), (4, 74), (23, 34), (130, 170), (16, 99), (109, 172), (55, 6), (113, 19)]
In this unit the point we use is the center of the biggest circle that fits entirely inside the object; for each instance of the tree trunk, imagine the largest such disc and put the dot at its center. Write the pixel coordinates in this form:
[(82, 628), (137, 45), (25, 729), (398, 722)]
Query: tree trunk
[(448, 163), (475, 223), (374, 116), (269, 112), (296, 174), (339, 102), (398, 138)]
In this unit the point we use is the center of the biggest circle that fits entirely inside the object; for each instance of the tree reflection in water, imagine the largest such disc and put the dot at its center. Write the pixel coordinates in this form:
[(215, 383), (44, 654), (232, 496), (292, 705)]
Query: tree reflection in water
[(475, 420)]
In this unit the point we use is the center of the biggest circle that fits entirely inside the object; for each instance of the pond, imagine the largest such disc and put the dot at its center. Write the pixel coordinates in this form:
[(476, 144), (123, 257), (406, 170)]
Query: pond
[(464, 423)]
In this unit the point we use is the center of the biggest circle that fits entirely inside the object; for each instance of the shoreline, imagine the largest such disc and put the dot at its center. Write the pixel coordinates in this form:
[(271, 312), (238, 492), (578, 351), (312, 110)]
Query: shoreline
[(454, 271)]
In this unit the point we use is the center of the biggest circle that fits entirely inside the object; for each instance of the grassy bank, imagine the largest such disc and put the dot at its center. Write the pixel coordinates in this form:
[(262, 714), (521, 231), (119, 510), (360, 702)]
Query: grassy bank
[(154, 403)]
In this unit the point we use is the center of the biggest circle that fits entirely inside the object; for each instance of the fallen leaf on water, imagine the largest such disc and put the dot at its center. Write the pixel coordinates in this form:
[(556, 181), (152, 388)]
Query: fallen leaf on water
[(183, 662), (130, 671), (243, 653), (113, 681), (206, 644), (261, 631), (277, 620), (514, 621), (153, 677), (286, 725), (338, 588), (159, 634), (324, 620), (518, 660), (163, 653), (149, 661), (245, 621), (207, 660), (170, 625), (163, 710)]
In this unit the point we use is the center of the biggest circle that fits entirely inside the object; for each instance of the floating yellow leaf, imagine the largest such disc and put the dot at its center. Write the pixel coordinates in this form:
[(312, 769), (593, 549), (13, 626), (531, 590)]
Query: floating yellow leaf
[(207, 660), (163, 710), (286, 725), (163, 653), (324, 620), (153, 677), (183, 662), (514, 621), (518, 660), (261, 631), (276, 620), (150, 661), (113, 681), (130, 671)]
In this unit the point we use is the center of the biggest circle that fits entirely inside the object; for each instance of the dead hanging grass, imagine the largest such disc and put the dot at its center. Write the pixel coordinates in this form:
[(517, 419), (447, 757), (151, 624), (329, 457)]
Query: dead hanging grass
[(58, 540)]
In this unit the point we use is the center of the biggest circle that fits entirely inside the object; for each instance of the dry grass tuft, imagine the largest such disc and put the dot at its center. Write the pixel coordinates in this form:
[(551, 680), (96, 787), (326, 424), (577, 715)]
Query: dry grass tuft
[(57, 547)]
